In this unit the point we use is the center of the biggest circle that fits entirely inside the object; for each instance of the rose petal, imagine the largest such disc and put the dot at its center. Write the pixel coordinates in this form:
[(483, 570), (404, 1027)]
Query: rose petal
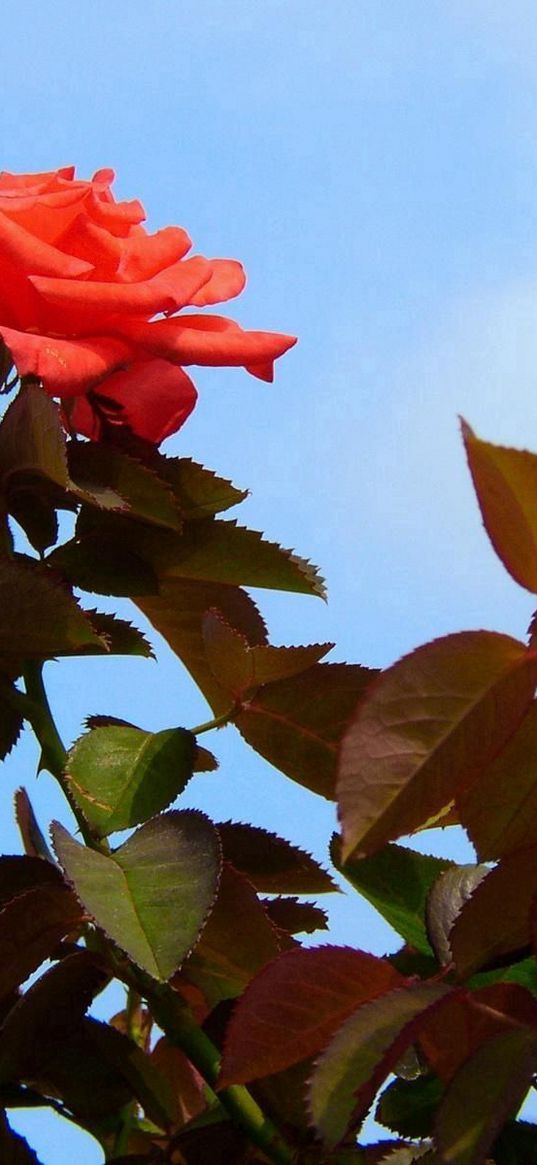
[(144, 255), (165, 292), (152, 398), (207, 340), (227, 280), (35, 256), (65, 367)]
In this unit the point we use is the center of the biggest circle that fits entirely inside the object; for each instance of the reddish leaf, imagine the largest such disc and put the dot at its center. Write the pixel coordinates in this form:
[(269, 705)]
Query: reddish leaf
[(240, 668), (425, 730), (499, 811), (19, 874), (296, 917), (177, 613), (48, 1011), (496, 920), (237, 941), (150, 1087), (485, 1092), (467, 1019), (296, 724), (186, 1085), (505, 481), (273, 865), (293, 1007), (31, 926), (362, 1053)]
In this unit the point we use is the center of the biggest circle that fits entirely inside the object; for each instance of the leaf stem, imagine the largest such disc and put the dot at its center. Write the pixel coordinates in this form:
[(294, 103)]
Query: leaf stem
[(217, 722)]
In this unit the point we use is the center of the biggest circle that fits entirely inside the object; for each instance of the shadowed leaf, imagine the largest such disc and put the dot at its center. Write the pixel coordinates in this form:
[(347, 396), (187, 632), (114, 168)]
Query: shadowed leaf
[(11, 719), (102, 566), (362, 1053), (424, 731), (140, 1071), (177, 613), (496, 922), (95, 468), (121, 776), (296, 917), (446, 900), (408, 1106), (296, 724), (198, 491), (449, 1036), (486, 1091), (499, 810), (153, 894), (32, 838), (187, 1087), (396, 881), (237, 941), (240, 668), (505, 481), (39, 618), (19, 874), (273, 865), (31, 926), (120, 637), (294, 1006), (516, 1144)]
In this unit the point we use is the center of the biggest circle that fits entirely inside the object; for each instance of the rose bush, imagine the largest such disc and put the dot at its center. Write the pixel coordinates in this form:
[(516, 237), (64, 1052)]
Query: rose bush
[(88, 304)]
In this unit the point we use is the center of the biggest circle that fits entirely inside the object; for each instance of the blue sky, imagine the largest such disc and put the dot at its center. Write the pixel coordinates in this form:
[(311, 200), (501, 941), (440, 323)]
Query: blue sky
[(374, 166)]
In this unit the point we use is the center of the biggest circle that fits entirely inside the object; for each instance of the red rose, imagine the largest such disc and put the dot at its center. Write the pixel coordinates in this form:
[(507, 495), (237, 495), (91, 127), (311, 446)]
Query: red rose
[(89, 303)]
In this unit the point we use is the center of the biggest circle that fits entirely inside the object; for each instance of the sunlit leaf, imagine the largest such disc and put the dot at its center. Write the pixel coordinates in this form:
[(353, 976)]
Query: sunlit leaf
[(425, 729), (296, 724), (486, 1091), (294, 1006), (362, 1053), (273, 865), (153, 894), (396, 881), (120, 776), (505, 481)]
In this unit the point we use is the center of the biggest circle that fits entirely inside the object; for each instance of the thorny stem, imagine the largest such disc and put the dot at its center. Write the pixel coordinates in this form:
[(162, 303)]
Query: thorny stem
[(170, 1013)]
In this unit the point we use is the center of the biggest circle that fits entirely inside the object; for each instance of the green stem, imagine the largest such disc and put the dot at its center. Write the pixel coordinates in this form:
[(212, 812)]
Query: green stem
[(172, 1016), (218, 722), (37, 711)]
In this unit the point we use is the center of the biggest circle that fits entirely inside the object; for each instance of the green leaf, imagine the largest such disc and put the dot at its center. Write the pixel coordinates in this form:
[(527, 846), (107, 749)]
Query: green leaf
[(198, 491), (120, 777), (446, 900), (237, 941), (505, 481), (32, 439), (485, 1092), (38, 617), (396, 881), (96, 469), (408, 1106), (499, 810), (177, 613), (297, 724), (240, 668), (425, 729), (273, 865), (31, 927), (153, 894), (294, 1006), (361, 1054)]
